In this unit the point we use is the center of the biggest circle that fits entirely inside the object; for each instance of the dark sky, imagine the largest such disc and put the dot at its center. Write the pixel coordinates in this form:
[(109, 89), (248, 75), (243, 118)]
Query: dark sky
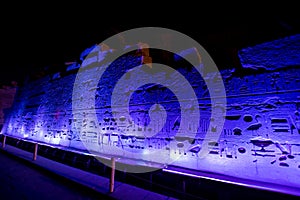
[(34, 38)]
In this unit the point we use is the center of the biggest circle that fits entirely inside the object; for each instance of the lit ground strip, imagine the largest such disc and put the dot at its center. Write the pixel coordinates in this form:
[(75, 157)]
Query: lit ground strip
[(281, 189)]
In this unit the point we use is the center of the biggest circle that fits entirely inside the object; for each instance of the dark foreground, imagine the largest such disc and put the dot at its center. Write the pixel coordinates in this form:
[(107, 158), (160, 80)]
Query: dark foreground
[(19, 180)]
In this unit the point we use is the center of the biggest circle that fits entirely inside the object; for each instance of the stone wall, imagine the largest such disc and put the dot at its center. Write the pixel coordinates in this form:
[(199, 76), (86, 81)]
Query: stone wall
[(7, 94), (259, 140)]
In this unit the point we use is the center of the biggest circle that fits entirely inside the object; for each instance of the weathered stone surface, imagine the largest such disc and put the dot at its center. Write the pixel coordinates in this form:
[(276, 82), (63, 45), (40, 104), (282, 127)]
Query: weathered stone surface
[(267, 102), (272, 55), (7, 94)]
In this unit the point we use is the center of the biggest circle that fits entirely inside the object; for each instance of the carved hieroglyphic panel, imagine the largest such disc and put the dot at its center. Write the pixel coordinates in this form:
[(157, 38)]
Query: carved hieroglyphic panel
[(260, 139)]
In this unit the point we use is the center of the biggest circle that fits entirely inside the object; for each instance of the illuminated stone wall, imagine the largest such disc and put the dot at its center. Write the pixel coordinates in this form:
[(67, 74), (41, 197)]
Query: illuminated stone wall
[(260, 139)]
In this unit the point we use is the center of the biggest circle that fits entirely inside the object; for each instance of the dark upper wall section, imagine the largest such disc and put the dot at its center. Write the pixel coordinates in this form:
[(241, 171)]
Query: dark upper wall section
[(272, 55), (7, 94)]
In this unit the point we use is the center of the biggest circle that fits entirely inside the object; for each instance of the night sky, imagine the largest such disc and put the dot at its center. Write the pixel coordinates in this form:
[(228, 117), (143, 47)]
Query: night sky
[(35, 38)]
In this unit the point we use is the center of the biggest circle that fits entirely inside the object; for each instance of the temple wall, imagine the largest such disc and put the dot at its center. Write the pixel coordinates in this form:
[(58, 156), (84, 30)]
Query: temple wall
[(260, 139)]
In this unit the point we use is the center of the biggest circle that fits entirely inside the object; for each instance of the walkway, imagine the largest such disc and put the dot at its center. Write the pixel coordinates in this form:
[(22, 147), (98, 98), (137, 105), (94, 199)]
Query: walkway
[(23, 178)]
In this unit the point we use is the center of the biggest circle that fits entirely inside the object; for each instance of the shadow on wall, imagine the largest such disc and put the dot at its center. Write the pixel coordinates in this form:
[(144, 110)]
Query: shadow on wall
[(7, 94)]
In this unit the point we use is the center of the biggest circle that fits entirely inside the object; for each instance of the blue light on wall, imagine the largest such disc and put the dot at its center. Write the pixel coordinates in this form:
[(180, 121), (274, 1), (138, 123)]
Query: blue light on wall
[(260, 140)]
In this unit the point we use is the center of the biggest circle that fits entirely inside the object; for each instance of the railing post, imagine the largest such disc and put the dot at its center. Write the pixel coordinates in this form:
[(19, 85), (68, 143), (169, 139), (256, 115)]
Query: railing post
[(112, 176), (35, 151), (3, 141)]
